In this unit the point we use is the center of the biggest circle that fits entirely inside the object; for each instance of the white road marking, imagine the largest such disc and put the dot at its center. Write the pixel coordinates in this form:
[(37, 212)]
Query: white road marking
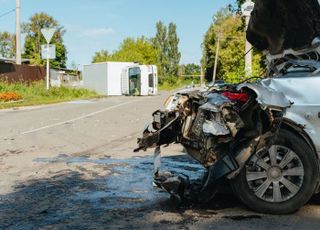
[(76, 119)]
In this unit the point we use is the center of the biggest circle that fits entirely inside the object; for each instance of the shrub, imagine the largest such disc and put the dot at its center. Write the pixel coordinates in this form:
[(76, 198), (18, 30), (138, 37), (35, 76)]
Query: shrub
[(10, 96), (171, 82), (35, 93)]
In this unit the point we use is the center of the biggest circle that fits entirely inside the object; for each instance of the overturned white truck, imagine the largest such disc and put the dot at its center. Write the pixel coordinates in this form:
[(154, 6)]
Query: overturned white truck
[(139, 80), (121, 78)]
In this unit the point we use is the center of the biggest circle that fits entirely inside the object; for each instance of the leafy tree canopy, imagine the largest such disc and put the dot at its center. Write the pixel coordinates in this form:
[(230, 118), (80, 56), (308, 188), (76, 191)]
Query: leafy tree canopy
[(138, 50), (167, 41), (190, 69), (231, 29), (34, 40), (160, 42), (174, 54), (7, 45), (162, 50), (101, 56)]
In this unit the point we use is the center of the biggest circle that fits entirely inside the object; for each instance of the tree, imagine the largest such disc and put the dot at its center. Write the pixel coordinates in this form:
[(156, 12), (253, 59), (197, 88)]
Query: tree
[(138, 50), (231, 56), (7, 45), (192, 69), (174, 55), (210, 42), (34, 40), (240, 2), (101, 56), (160, 42), (167, 42)]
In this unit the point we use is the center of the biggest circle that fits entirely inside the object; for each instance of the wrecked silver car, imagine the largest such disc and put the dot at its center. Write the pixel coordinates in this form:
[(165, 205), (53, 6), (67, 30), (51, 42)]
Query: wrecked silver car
[(262, 137)]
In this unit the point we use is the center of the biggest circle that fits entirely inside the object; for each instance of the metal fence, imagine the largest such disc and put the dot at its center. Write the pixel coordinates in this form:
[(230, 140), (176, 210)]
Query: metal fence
[(21, 73)]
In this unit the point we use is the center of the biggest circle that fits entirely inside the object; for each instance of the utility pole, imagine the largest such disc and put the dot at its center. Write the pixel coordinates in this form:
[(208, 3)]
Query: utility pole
[(202, 76), (216, 58), (248, 54), (246, 9), (18, 32)]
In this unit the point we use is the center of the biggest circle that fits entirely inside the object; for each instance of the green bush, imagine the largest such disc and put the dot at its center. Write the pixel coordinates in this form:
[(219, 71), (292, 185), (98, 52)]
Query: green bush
[(171, 82), (36, 93)]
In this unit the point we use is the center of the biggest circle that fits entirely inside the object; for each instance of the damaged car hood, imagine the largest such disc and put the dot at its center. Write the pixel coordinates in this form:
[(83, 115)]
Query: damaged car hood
[(267, 96), (277, 25)]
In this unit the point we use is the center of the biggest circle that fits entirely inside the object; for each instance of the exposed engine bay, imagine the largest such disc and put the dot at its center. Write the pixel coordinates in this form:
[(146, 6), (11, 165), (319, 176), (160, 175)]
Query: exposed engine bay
[(220, 128)]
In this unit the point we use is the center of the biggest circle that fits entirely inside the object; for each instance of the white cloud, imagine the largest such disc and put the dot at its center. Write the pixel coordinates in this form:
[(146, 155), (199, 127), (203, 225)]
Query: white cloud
[(97, 32), (85, 32)]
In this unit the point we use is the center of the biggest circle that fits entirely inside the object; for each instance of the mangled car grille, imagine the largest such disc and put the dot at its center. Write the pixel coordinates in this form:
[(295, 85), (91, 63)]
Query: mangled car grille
[(220, 129)]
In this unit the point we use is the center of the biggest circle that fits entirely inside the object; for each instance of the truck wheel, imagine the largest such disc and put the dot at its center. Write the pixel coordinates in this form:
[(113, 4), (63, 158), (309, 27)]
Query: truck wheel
[(280, 180)]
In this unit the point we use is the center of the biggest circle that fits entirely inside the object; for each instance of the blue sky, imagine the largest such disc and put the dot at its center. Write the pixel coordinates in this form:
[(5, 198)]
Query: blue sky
[(93, 25)]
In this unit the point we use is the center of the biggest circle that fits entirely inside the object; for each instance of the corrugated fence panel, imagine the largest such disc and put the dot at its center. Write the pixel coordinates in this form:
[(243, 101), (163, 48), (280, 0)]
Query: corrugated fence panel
[(23, 73)]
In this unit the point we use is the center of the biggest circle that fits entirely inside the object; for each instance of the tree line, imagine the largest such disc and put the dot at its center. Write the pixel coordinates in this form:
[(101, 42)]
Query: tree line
[(162, 49), (230, 26), (34, 40)]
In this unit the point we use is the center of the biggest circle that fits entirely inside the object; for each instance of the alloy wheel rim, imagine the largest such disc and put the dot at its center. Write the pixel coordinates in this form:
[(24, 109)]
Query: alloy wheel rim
[(275, 175)]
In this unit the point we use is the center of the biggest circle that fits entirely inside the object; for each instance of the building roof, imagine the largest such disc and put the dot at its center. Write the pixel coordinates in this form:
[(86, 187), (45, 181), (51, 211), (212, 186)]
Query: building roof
[(13, 60)]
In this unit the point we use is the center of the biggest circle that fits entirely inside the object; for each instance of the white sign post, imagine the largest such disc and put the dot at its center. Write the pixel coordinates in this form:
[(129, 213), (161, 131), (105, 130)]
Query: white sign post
[(48, 34), (246, 9), (44, 51)]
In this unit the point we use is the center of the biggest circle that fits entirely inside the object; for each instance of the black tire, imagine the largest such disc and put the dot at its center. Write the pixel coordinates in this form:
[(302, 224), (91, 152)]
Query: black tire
[(307, 185)]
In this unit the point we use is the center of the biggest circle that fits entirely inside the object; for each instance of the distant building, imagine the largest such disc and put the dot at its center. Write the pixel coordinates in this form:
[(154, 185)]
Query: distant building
[(13, 60), (65, 77)]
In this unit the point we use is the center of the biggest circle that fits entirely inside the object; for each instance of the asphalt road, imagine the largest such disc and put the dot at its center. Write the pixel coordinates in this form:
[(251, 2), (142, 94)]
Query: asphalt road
[(71, 166)]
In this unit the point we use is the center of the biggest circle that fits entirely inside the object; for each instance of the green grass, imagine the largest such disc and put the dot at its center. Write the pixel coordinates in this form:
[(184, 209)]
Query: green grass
[(172, 83), (36, 94)]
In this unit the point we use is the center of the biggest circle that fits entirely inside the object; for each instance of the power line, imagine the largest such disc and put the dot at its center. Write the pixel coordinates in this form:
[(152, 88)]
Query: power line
[(6, 13)]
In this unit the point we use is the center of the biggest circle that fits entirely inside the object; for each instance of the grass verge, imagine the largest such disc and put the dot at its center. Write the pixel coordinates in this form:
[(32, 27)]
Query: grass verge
[(36, 94), (172, 83)]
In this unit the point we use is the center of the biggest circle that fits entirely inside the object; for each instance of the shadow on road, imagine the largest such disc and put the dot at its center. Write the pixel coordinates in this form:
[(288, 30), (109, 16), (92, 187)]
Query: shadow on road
[(125, 199)]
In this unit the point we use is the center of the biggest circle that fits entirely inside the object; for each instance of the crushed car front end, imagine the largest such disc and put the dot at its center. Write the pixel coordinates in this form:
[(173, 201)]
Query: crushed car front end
[(220, 128), (263, 137)]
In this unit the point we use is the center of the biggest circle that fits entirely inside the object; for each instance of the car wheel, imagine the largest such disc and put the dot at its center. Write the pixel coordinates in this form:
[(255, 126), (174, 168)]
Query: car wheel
[(280, 180)]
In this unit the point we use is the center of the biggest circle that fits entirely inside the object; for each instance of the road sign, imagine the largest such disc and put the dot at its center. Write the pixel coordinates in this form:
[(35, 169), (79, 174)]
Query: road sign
[(48, 51), (247, 8), (48, 33)]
